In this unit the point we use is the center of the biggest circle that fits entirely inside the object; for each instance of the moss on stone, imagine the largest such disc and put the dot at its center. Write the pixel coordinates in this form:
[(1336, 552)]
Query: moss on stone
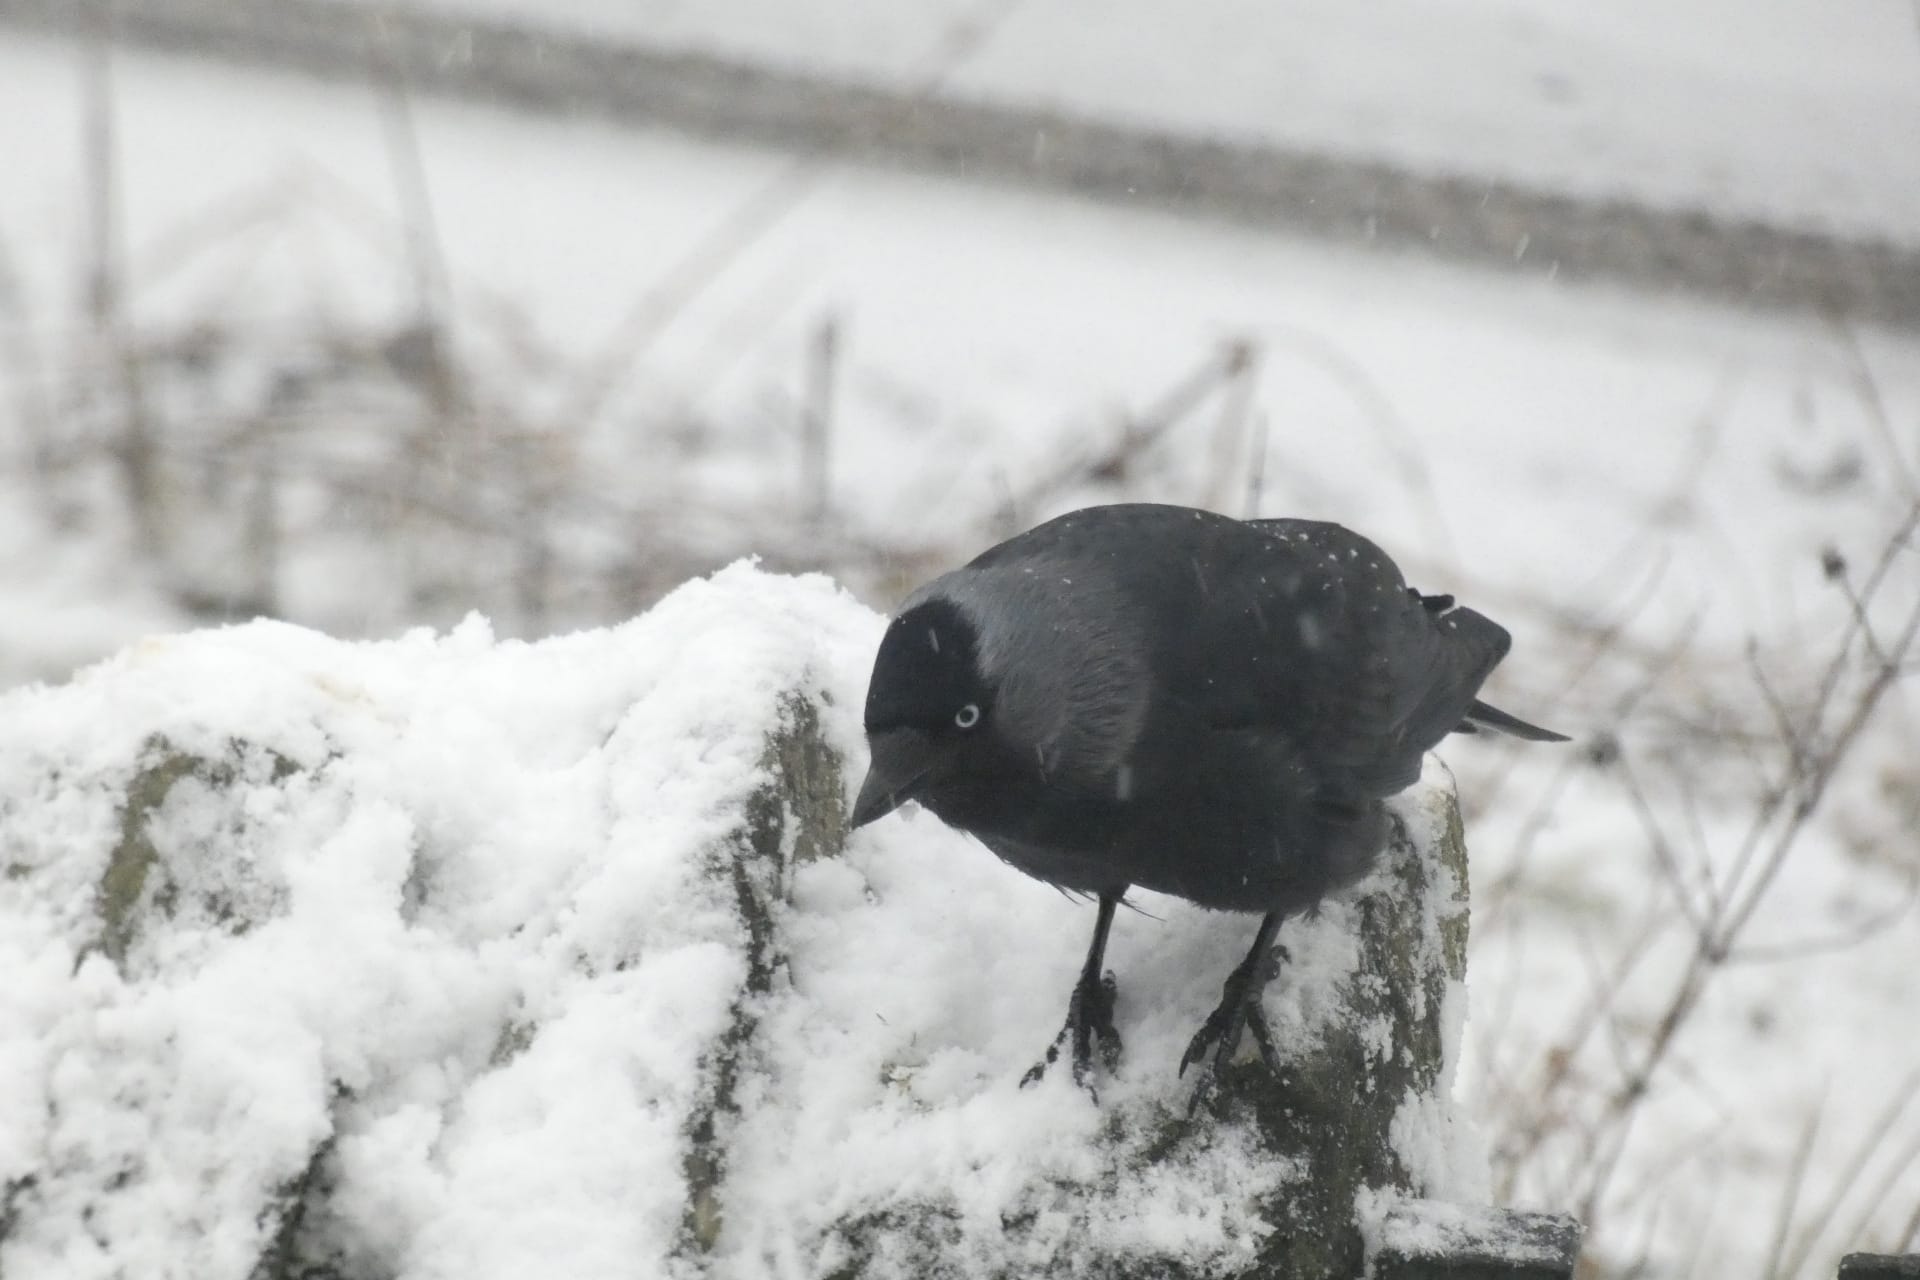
[(131, 863), (135, 873), (797, 814)]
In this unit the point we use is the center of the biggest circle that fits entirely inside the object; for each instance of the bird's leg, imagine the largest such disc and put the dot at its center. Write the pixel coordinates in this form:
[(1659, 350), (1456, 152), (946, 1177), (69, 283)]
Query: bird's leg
[(1090, 1011), (1239, 1008)]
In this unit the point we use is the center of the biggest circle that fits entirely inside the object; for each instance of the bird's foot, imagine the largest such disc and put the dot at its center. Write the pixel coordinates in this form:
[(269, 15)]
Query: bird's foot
[(1239, 1012), (1089, 1027)]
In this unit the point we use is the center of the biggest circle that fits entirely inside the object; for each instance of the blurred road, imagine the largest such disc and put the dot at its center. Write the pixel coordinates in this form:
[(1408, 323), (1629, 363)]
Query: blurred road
[(1499, 221)]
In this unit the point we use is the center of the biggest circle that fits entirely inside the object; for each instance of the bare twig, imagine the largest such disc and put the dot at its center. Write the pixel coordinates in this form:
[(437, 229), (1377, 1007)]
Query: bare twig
[(1398, 441), (816, 418), (1790, 1192), (1256, 468), (1867, 388), (1782, 719), (763, 210), (1898, 1170), (1909, 1236), (1781, 816), (1877, 1135), (1232, 427), (1662, 850), (1696, 1254), (27, 379), (1827, 943), (134, 449), (425, 357), (1215, 375)]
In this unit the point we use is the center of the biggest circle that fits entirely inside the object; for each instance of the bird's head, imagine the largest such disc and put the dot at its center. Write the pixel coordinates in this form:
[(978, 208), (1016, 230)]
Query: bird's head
[(999, 683), (930, 708)]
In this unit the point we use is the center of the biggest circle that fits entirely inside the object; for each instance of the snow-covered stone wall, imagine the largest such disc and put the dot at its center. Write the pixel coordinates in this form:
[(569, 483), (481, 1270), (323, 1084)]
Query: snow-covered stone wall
[(448, 956)]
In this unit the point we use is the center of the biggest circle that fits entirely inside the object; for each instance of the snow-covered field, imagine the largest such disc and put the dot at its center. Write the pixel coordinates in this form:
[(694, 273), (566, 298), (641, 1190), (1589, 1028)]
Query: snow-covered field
[(1566, 458), (1792, 111)]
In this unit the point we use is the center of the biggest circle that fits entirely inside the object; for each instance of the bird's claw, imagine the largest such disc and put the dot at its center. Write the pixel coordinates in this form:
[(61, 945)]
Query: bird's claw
[(1224, 1027), (1239, 1012), (1089, 1025)]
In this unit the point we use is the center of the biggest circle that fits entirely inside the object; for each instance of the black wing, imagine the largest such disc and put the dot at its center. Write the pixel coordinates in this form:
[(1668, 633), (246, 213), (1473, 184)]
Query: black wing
[(1297, 628), (1364, 675)]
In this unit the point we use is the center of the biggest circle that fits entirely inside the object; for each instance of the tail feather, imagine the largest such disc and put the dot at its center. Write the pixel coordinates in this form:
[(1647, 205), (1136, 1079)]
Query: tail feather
[(1481, 716)]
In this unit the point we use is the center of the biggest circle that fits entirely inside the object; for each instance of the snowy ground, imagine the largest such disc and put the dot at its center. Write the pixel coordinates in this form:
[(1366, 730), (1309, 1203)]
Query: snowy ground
[(1542, 451), (1791, 111)]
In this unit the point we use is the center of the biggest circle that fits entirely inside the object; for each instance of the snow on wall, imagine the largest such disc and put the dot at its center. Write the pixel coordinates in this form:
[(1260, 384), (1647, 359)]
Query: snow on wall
[(411, 959)]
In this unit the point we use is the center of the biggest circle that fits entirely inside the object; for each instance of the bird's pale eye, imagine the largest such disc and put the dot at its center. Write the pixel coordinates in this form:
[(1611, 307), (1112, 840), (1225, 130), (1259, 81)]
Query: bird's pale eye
[(967, 716)]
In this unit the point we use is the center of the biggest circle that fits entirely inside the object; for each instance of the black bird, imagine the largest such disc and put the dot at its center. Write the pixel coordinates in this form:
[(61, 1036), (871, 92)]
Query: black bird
[(1165, 697)]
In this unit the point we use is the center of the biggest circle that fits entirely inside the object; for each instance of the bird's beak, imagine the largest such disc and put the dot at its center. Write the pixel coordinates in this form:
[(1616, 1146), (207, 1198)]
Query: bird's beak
[(901, 757)]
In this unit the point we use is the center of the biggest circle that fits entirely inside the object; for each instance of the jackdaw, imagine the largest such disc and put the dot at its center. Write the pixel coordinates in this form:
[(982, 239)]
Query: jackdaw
[(1164, 697)]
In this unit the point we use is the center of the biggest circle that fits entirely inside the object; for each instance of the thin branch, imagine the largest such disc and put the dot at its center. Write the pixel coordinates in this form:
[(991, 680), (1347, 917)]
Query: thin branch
[(1814, 789), (1663, 854), (1877, 1133), (1398, 440), (1827, 944), (1897, 1171), (816, 418), (748, 223), (1770, 842), (429, 362), (1894, 546), (1256, 468), (1909, 1238), (1214, 375), (1782, 719), (134, 449), (1232, 428), (1790, 1190), (1867, 387), (1703, 1233)]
